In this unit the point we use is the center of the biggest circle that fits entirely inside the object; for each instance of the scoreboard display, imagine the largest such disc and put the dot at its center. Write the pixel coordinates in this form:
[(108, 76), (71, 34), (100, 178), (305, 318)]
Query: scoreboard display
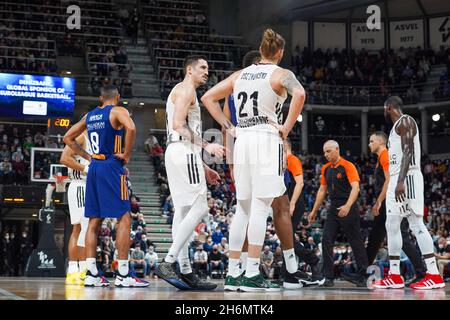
[(58, 126)]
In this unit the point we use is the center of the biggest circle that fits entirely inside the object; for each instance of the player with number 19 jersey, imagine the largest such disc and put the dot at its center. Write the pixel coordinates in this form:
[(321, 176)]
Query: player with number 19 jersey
[(106, 185)]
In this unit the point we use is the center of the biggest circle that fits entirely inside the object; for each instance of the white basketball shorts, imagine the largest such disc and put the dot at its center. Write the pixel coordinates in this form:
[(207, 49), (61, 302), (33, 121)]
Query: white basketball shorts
[(259, 164), (414, 197), (76, 200), (185, 173)]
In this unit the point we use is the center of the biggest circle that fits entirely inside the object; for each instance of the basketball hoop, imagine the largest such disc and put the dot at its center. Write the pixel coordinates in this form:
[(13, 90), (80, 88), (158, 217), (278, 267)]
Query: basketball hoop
[(60, 182)]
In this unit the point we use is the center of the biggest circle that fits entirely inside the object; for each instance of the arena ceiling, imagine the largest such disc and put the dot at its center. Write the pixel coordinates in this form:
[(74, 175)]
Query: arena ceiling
[(356, 9)]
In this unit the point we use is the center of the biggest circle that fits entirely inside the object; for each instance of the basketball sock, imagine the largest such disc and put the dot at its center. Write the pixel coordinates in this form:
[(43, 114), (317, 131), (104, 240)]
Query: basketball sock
[(424, 241), (244, 258), (123, 267), (394, 266), (82, 265), (252, 267), (184, 230), (73, 267), (92, 266), (431, 265), (290, 260), (170, 258), (233, 268), (185, 265)]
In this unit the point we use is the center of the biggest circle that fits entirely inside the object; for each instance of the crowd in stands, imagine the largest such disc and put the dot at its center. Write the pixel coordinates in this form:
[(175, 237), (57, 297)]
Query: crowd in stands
[(175, 33), (15, 153), (208, 249), (32, 34), (351, 77), (213, 232), (15, 248)]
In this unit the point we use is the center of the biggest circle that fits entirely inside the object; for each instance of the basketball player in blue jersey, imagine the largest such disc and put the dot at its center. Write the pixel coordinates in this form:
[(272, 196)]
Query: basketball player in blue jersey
[(106, 186)]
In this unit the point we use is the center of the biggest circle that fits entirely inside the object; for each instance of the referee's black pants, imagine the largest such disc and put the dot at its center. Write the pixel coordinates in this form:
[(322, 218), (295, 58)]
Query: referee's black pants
[(350, 224), (378, 234)]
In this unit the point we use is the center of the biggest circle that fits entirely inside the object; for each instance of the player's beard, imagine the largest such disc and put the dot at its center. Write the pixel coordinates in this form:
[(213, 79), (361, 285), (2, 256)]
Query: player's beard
[(387, 117)]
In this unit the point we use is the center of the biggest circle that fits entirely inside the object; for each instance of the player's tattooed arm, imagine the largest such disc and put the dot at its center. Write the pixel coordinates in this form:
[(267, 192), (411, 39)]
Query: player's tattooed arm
[(290, 82), (296, 90), (186, 132), (70, 138), (407, 130), (67, 156)]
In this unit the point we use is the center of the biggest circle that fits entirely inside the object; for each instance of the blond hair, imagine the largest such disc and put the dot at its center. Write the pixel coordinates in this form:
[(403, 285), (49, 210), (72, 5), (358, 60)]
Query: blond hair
[(271, 43)]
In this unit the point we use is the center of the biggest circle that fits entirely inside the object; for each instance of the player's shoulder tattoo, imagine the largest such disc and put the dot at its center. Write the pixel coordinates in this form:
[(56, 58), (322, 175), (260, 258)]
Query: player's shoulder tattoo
[(290, 81)]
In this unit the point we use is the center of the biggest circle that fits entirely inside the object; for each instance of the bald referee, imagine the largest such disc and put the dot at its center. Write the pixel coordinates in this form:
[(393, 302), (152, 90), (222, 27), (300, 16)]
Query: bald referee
[(341, 180)]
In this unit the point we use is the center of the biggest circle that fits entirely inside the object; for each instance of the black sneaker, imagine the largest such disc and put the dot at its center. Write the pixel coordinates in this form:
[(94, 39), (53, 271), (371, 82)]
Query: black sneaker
[(355, 278), (195, 283), (298, 280), (168, 272), (317, 280), (328, 282)]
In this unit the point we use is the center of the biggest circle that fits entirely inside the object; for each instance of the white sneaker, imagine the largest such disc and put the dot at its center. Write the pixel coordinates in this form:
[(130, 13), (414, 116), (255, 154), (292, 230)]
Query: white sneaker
[(95, 281), (129, 281)]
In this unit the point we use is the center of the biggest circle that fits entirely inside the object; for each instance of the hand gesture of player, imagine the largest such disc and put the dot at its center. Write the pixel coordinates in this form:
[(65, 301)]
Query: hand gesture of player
[(215, 149), (211, 175), (122, 156), (400, 191)]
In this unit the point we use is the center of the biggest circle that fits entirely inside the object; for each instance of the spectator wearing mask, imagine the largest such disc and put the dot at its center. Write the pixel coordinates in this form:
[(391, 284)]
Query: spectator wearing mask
[(215, 261), (208, 246), (217, 235), (266, 266), (138, 260), (201, 262), (135, 208), (6, 172), (151, 258), (442, 255)]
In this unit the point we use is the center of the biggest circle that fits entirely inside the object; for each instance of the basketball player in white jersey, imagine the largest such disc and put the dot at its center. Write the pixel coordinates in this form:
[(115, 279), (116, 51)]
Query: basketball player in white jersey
[(405, 198), (259, 93), (78, 168), (186, 173)]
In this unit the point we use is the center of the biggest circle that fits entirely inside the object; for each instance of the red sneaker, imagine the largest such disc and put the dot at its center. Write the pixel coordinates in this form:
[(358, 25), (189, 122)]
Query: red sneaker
[(430, 281), (394, 281)]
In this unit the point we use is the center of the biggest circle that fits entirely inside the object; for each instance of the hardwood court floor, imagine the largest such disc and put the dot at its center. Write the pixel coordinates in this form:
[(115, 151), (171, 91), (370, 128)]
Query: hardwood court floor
[(55, 289)]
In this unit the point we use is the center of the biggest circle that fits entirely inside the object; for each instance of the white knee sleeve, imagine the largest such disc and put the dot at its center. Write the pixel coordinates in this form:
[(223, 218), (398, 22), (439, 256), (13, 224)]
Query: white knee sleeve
[(258, 220), (394, 235), (183, 230), (238, 227), (421, 233), (180, 214), (82, 236)]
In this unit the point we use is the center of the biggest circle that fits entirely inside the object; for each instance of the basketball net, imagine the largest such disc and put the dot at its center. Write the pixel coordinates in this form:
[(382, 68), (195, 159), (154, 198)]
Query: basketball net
[(60, 182)]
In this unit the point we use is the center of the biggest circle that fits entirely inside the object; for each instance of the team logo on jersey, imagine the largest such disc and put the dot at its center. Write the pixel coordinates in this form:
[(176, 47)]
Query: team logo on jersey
[(339, 175)]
